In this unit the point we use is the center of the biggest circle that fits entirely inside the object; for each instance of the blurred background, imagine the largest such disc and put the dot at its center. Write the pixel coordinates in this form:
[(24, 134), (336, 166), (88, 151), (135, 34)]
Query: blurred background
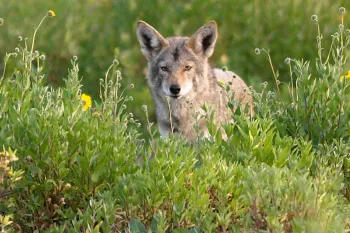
[(97, 31)]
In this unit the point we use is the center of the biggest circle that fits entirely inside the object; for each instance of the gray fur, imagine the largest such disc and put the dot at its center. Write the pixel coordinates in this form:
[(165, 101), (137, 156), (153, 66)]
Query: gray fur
[(184, 61)]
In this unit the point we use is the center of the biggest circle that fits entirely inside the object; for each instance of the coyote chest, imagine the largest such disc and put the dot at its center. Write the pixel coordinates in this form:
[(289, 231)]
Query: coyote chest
[(181, 80)]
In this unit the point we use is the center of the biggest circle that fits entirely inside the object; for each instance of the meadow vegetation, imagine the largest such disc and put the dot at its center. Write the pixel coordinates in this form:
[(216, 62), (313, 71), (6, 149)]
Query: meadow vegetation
[(71, 161)]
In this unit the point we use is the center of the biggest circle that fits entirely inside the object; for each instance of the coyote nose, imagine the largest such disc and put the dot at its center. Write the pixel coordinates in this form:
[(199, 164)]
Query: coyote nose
[(175, 89)]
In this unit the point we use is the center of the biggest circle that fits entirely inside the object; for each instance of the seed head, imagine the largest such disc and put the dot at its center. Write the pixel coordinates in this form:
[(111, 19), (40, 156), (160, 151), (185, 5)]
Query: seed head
[(132, 85), (20, 38), (17, 50), (224, 68), (342, 10), (1, 21), (42, 57), (75, 58)]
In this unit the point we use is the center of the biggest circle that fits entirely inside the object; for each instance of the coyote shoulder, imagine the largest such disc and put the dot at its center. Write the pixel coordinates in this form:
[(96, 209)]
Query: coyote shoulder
[(181, 80)]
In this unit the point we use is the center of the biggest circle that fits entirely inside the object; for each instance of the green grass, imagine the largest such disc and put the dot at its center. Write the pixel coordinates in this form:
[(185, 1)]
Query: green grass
[(285, 170)]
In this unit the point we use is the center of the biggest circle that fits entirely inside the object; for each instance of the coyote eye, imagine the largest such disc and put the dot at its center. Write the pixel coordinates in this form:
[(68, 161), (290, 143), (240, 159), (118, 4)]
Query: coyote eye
[(187, 68), (164, 68)]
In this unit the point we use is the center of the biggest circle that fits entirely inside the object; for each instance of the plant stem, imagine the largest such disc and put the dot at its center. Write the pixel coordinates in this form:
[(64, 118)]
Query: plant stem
[(171, 121), (272, 68), (35, 31), (104, 98), (319, 43)]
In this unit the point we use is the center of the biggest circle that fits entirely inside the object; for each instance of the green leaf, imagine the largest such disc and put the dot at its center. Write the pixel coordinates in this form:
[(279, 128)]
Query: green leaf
[(93, 158), (97, 228), (194, 230), (282, 157), (203, 200), (26, 103), (154, 224), (136, 226), (95, 176)]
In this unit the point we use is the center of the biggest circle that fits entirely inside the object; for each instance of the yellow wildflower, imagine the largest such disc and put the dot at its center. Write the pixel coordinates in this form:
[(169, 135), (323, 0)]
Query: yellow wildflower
[(222, 83), (86, 101), (345, 76), (51, 13)]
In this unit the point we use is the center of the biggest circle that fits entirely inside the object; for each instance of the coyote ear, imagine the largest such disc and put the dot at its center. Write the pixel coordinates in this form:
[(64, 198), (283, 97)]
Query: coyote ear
[(150, 40), (203, 41)]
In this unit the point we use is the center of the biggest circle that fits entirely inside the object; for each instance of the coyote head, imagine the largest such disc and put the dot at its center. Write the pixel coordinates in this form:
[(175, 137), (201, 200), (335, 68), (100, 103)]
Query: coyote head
[(176, 64)]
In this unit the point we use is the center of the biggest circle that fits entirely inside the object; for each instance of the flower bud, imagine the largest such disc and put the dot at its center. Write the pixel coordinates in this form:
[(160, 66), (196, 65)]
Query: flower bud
[(115, 62), (287, 60), (144, 108), (257, 51), (314, 18)]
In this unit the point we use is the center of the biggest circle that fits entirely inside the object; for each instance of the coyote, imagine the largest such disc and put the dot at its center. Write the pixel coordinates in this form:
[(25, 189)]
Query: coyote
[(182, 82)]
